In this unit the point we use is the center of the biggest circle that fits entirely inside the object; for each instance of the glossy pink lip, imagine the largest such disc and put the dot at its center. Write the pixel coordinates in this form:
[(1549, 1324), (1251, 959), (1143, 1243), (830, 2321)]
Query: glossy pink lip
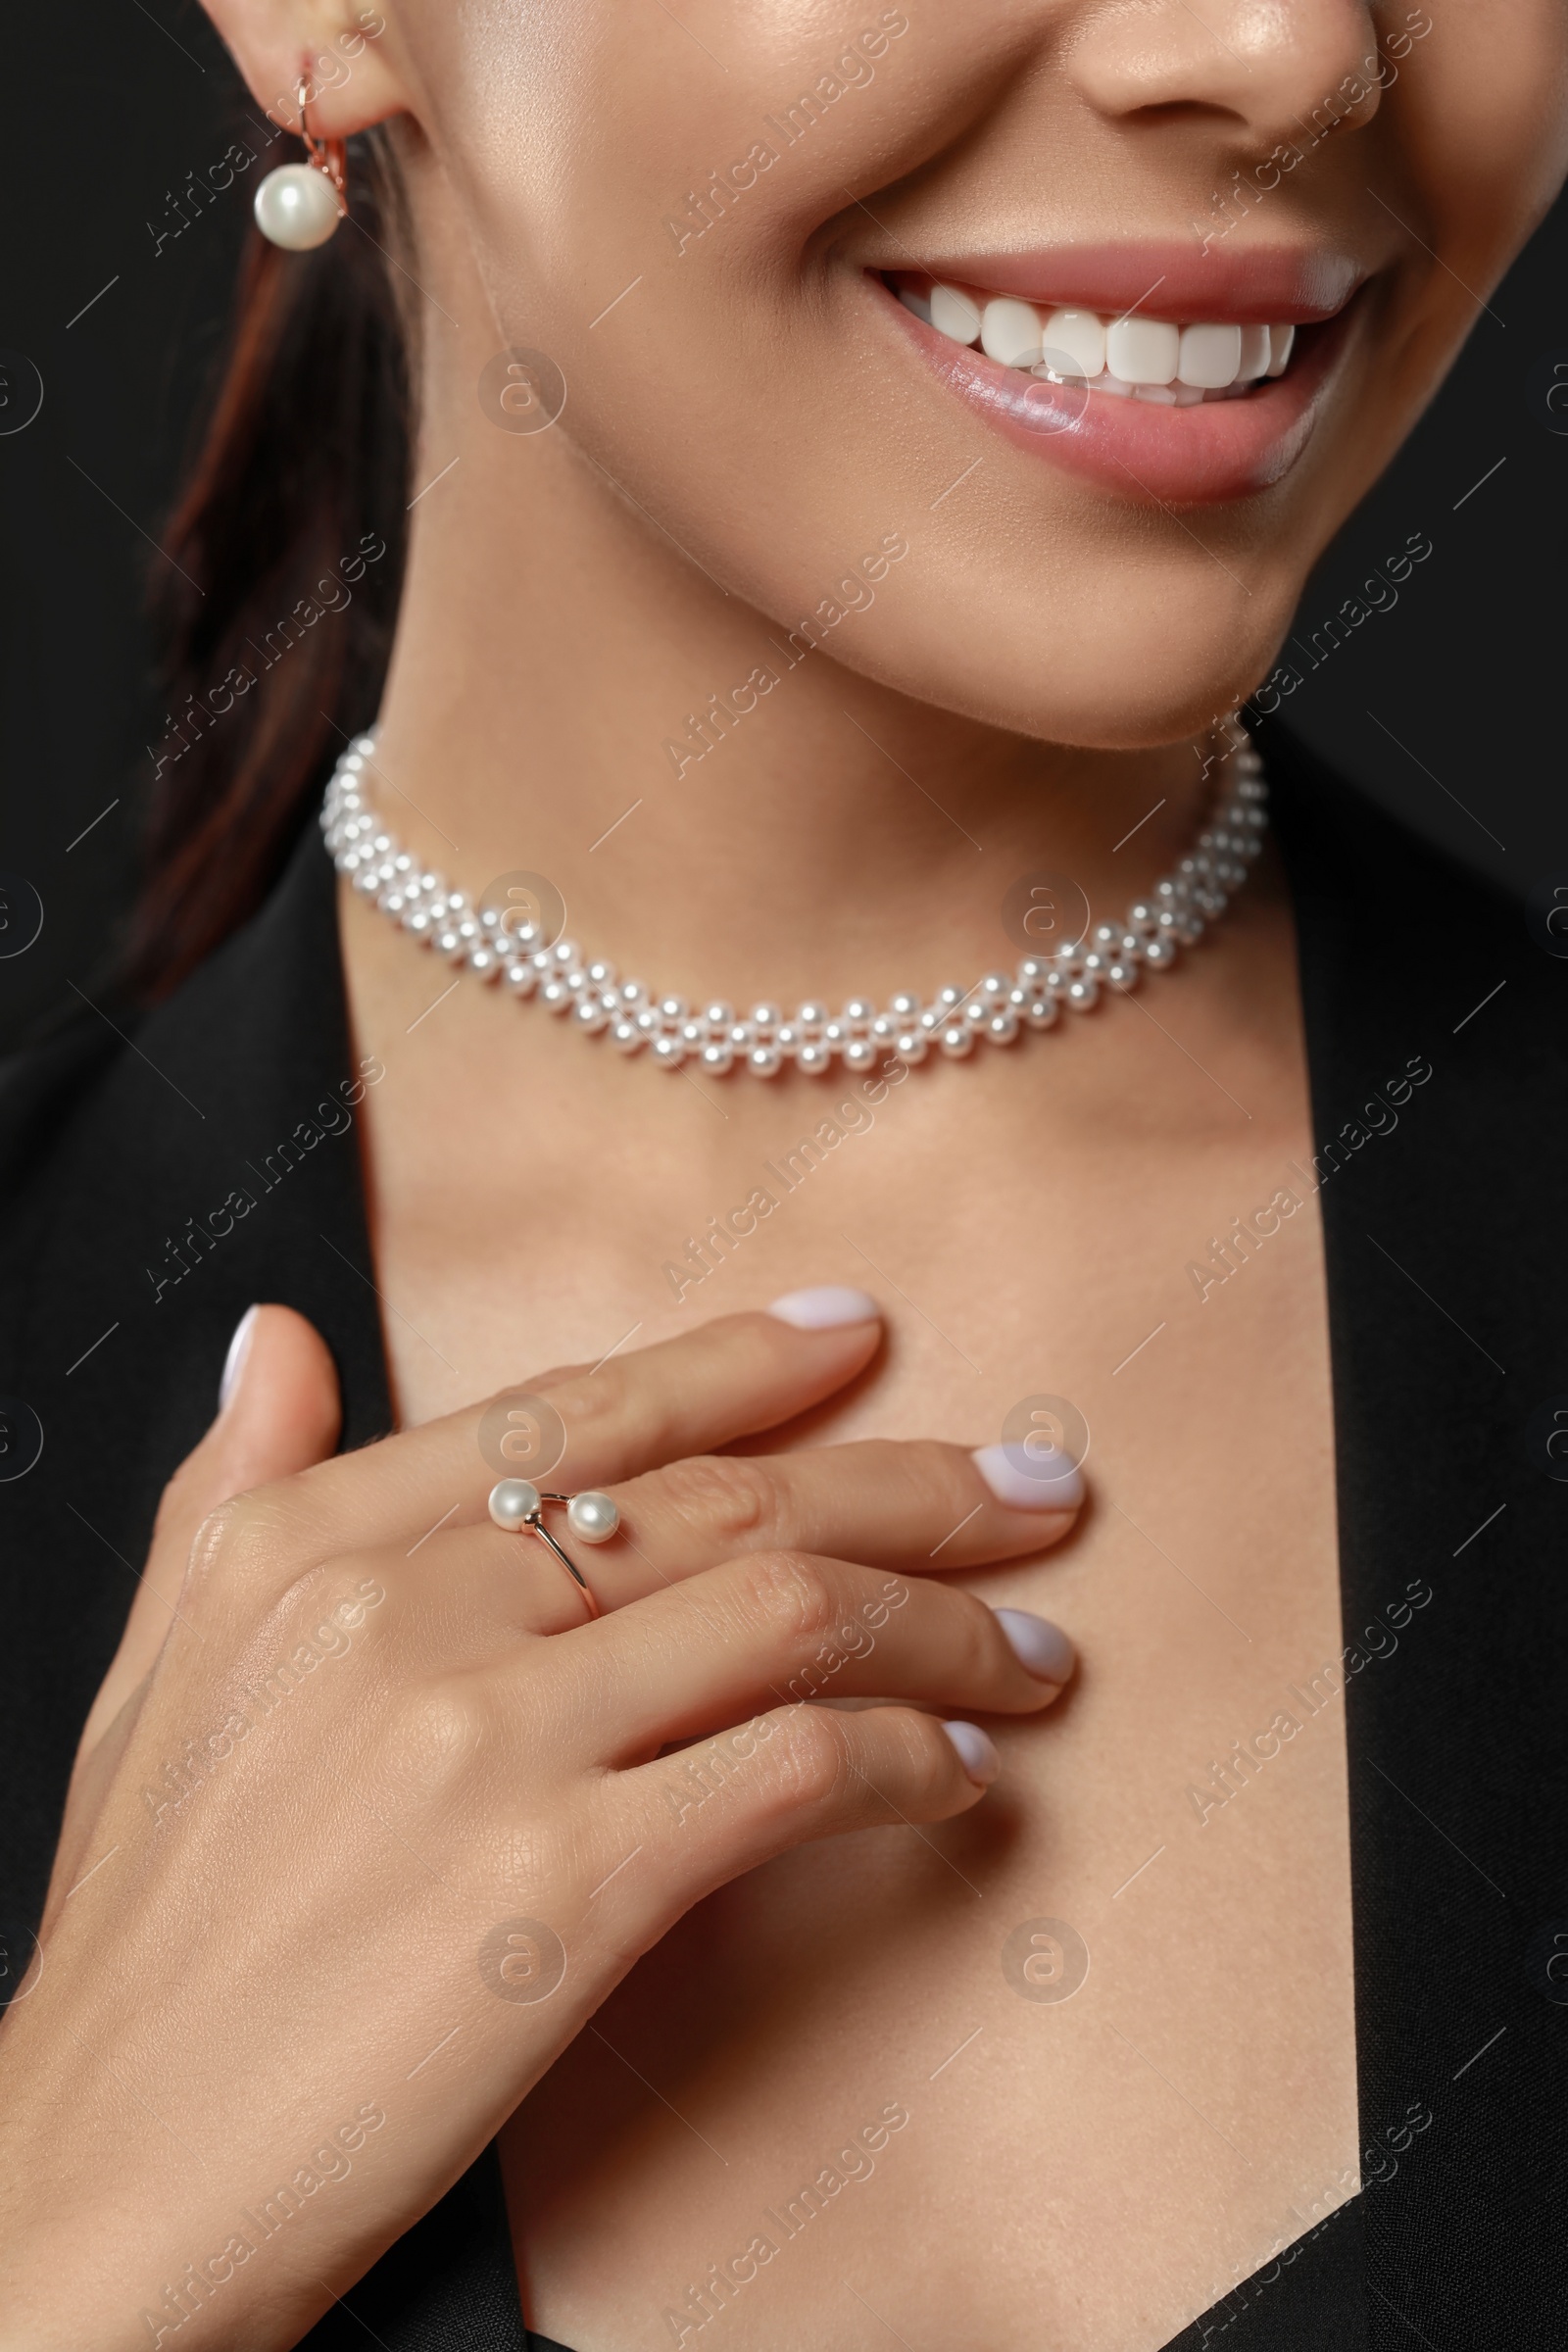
[(1209, 455), (1268, 284)]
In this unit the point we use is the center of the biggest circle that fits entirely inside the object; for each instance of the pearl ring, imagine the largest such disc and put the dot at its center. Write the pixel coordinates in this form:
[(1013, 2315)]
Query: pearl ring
[(517, 1503)]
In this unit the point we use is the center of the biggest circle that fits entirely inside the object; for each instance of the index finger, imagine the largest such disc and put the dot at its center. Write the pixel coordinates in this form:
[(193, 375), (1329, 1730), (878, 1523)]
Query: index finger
[(727, 1379)]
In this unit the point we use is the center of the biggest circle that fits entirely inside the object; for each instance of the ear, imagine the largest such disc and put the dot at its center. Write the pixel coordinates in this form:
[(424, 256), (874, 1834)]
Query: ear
[(344, 52)]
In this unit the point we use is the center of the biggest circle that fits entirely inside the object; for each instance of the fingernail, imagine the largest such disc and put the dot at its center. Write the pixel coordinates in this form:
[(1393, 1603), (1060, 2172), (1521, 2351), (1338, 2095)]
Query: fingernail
[(1039, 1645), (825, 1308), (1030, 1476), (976, 1754), (239, 1347)]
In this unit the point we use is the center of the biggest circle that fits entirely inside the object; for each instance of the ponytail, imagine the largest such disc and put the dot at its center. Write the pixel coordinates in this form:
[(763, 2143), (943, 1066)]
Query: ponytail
[(288, 549)]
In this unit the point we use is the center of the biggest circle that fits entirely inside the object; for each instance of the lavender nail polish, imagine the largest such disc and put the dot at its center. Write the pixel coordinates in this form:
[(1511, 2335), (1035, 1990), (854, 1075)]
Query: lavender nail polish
[(1032, 1478), (827, 1309), (1039, 1645), (976, 1753)]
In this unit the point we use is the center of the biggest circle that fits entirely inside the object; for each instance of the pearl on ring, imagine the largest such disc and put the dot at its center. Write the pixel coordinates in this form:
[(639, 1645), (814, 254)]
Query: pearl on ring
[(297, 207), (592, 1518), (514, 1503)]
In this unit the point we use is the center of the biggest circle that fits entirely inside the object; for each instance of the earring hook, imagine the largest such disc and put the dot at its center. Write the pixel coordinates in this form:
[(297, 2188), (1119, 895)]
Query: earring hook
[(329, 155)]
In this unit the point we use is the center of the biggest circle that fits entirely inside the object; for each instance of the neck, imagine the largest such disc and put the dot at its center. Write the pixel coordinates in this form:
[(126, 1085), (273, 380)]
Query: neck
[(727, 809)]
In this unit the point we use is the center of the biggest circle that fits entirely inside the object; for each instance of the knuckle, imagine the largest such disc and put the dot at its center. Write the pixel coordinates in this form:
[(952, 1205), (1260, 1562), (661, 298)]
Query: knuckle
[(436, 1734), (595, 1404), (728, 1497), (812, 1767), (587, 1402), (793, 1595), (235, 1548)]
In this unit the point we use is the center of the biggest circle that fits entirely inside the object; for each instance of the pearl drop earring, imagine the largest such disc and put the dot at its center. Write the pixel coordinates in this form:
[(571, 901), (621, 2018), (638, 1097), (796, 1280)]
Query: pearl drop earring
[(300, 205)]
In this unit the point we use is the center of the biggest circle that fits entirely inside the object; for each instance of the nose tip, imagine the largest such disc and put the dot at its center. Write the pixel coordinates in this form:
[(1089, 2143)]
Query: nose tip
[(1291, 77)]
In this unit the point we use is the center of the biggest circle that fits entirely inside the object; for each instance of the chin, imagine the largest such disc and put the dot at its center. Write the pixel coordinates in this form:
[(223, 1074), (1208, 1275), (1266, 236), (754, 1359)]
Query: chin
[(1144, 665)]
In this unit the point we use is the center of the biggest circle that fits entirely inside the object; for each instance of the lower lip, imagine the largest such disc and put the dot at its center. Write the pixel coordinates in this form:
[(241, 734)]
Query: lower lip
[(1207, 455)]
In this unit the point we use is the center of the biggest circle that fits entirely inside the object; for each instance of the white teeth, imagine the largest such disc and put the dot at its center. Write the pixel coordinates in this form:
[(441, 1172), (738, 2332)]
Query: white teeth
[(1255, 354), (1210, 357), (1170, 366), (1009, 332), (1074, 342), (954, 314), (1142, 350)]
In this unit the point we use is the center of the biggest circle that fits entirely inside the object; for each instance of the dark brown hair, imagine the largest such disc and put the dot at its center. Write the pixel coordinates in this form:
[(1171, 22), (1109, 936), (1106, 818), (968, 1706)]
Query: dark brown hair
[(289, 543)]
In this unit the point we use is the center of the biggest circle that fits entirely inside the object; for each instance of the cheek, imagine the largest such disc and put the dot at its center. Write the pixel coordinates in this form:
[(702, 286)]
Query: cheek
[(1484, 125)]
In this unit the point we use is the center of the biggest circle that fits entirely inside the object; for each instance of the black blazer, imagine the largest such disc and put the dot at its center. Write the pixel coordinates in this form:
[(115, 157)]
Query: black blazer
[(123, 1268)]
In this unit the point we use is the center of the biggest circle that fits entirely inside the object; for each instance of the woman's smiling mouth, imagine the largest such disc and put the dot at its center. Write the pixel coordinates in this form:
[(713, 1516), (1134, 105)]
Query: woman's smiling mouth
[(1210, 402)]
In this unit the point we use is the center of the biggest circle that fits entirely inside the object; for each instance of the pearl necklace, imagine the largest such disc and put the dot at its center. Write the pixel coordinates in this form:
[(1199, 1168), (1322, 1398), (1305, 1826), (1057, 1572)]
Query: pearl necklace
[(490, 943)]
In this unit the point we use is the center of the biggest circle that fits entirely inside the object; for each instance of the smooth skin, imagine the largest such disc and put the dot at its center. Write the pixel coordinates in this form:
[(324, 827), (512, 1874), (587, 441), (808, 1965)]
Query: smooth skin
[(374, 1813), (1024, 692)]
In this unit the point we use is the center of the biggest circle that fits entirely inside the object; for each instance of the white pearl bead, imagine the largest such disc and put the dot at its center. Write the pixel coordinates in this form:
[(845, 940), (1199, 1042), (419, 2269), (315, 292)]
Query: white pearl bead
[(296, 207), (592, 1518), (514, 1502)]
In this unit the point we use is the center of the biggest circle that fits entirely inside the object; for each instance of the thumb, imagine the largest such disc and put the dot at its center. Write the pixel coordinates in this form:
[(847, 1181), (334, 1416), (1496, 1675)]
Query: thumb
[(279, 1412)]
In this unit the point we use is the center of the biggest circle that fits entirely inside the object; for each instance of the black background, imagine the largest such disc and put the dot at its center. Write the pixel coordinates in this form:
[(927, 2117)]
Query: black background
[(1446, 705)]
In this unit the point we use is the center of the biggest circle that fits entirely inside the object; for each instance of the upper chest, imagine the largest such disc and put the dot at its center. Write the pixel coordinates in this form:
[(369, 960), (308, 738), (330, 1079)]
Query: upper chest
[(1114, 2004)]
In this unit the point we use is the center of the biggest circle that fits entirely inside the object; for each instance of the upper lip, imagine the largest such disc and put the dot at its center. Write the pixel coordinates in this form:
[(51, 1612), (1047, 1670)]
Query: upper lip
[(1269, 284)]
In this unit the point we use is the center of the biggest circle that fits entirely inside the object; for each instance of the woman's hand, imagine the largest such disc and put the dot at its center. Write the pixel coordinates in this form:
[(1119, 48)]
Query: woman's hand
[(369, 1820)]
